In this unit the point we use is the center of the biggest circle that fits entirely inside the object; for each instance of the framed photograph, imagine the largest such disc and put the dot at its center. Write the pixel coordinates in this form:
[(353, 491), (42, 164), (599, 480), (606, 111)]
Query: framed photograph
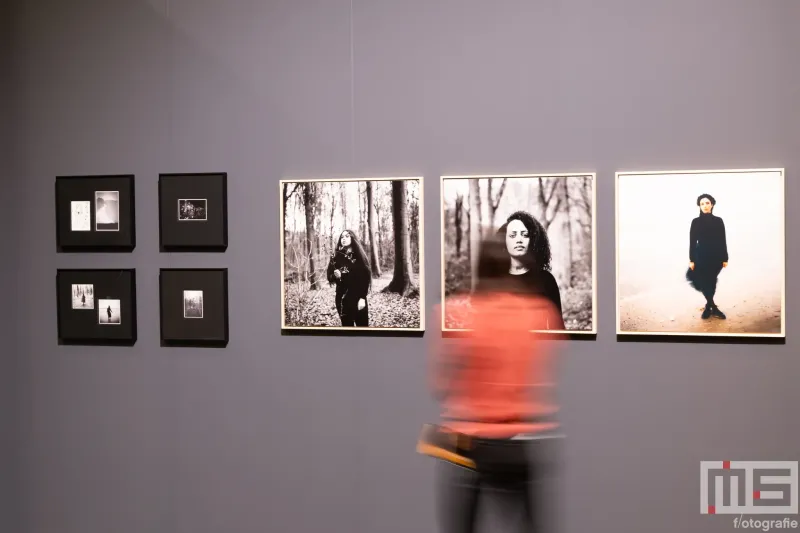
[(548, 224), (194, 307), (701, 253), (95, 213), (352, 254), (193, 212), (96, 306)]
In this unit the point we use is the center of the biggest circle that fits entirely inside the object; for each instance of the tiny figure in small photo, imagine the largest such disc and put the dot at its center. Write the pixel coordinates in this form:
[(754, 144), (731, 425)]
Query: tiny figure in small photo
[(106, 210), (192, 210), (82, 296), (192, 304), (81, 216), (108, 312)]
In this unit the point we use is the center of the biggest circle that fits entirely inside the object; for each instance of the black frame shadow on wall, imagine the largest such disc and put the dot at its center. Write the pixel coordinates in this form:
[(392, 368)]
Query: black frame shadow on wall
[(95, 213), (193, 212), (352, 256), (194, 307), (96, 306)]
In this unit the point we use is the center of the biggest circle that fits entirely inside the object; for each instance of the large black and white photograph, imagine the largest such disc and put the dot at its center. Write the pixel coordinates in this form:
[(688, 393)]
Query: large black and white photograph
[(80, 216), (108, 312), (192, 304), (106, 210), (352, 254), (82, 296), (701, 253), (547, 224), (192, 210)]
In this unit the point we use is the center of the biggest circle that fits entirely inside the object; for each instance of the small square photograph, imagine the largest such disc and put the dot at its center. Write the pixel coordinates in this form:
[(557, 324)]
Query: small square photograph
[(82, 296), (106, 210), (81, 216), (192, 304), (193, 210), (109, 312)]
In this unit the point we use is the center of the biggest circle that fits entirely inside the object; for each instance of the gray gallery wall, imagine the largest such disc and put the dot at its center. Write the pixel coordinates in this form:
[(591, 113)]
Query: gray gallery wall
[(310, 434)]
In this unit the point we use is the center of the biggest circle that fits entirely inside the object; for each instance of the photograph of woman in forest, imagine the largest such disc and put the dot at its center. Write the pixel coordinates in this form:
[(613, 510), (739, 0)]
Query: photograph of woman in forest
[(708, 254), (740, 213), (547, 225), (529, 253), (349, 271), (352, 254)]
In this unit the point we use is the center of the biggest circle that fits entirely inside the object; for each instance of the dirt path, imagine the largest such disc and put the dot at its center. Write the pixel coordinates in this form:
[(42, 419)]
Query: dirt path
[(677, 308)]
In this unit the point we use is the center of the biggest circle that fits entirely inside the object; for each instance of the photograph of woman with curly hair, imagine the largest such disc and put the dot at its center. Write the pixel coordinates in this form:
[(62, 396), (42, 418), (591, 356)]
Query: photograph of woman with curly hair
[(352, 254), (547, 224), (719, 285)]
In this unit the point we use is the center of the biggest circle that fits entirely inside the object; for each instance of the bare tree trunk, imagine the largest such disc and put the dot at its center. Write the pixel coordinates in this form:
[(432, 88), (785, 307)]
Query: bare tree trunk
[(310, 205), (343, 194), (333, 209), (401, 280), (474, 229), (372, 224), (458, 215), (547, 192), (568, 203), (493, 202)]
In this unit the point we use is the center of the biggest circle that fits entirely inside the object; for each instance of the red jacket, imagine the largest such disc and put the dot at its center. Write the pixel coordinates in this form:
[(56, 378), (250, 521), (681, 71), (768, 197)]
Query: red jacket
[(498, 378)]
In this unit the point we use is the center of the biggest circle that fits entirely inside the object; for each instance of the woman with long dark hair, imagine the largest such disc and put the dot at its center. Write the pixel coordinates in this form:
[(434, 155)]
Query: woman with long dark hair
[(529, 251), (708, 254), (350, 271)]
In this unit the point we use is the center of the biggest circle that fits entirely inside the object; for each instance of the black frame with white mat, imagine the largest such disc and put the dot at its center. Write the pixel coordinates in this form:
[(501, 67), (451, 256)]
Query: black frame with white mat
[(95, 213), (194, 307), (193, 212), (96, 306)]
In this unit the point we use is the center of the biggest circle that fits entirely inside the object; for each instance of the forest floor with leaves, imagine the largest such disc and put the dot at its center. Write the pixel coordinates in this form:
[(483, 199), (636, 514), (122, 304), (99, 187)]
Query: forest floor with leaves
[(305, 307)]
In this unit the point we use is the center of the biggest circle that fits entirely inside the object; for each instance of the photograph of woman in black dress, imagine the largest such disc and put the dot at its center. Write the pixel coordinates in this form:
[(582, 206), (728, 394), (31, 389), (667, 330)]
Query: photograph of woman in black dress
[(349, 271), (708, 254), (663, 290), (529, 259), (367, 277)]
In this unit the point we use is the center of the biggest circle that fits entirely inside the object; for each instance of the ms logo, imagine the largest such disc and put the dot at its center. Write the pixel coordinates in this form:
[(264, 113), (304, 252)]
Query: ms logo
[(748, 487)]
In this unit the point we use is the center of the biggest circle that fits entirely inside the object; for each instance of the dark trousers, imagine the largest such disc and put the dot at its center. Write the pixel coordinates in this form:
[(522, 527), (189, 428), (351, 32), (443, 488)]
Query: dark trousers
[(511, 486), (350, 315)]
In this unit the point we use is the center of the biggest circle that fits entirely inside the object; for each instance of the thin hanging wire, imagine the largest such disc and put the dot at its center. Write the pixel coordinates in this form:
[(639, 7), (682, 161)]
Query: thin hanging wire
[(352, 90)]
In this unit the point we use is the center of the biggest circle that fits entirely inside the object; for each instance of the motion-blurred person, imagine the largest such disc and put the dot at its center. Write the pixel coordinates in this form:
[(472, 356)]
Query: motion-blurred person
[(494, 387)]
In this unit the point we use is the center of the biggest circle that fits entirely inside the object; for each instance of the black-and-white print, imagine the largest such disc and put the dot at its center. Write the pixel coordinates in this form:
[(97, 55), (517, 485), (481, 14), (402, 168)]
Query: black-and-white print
[(81, 216), (106, 204), (352, 253), (193, 210), (82, 296), (108, 312), (547, 224), (192, 304)]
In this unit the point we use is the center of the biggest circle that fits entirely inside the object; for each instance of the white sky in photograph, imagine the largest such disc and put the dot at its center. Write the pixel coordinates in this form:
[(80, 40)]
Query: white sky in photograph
[(655, 213)]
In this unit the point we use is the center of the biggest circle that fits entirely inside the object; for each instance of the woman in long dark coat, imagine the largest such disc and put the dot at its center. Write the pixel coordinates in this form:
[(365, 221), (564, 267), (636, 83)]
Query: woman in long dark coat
[(708, 254), (350, 271)]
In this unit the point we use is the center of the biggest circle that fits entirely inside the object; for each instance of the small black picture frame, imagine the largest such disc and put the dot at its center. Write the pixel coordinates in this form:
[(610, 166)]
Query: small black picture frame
[(193, 212), (194, 307), (95, 213), (96, 307)]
